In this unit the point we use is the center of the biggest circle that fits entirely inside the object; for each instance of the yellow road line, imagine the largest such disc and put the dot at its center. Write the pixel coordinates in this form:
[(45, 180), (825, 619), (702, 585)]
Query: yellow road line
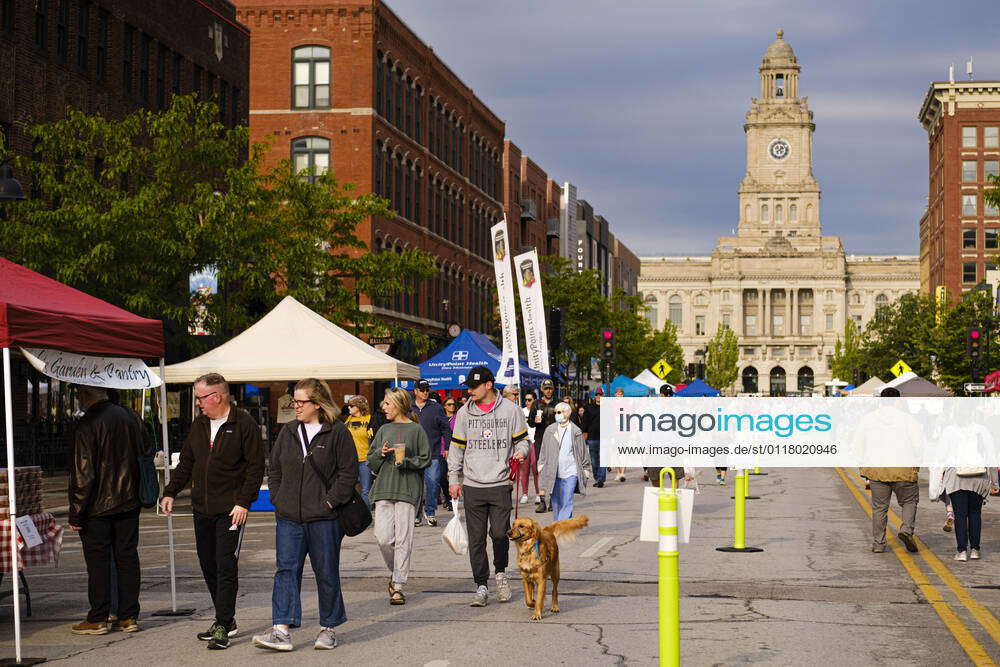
[(978, 611), (977, 654)]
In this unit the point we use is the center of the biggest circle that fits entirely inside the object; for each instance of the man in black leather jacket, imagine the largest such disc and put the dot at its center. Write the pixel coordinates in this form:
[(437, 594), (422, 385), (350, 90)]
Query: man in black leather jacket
[(104, 507)]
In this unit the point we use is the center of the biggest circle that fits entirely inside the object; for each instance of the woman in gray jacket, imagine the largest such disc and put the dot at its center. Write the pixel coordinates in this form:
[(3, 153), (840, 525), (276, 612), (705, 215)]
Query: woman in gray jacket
[(563, 462), (967, 488)]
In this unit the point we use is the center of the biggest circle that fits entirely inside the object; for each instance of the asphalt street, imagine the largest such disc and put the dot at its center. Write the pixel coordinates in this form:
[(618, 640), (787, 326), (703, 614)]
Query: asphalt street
[(815, 595)]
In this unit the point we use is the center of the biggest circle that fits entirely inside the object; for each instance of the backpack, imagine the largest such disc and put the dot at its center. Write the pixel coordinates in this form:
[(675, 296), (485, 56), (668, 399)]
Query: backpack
[(149, 482)]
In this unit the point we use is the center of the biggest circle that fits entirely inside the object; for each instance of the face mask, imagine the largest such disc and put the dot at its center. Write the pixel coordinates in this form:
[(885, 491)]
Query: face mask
[(560, 418)]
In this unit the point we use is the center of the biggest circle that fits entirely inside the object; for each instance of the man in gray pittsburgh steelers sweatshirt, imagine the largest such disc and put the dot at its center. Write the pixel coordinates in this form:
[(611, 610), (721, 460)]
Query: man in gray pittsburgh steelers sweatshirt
[(489, 431)]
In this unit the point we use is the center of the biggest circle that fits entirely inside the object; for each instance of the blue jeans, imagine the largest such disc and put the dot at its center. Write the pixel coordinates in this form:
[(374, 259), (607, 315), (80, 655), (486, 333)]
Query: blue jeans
[(562, 497), (432, 482), (321, 540), (600, 474), (365, 477)]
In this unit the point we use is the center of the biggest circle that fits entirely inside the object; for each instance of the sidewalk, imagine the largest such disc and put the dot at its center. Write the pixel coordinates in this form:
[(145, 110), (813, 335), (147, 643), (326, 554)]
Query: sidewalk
[(816, 594)]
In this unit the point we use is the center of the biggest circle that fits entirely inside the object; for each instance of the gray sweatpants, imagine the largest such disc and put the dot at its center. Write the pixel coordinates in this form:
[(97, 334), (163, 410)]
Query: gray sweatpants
[(394, 534), (907, 495)]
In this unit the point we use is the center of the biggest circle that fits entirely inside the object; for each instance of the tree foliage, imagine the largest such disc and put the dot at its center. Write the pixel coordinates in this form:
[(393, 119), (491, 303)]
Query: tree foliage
[(128, 209), (663, 344), (847, 354), (584, 310), (722, 358)]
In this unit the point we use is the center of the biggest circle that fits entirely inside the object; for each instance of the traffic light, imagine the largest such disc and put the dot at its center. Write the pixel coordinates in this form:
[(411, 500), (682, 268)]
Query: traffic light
[(974, 343), (555, 328), (608, 345)]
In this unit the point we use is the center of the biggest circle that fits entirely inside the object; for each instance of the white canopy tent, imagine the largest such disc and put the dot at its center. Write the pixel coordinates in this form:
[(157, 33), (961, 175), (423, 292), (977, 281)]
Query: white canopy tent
[(289, 343), (868, 387), (649, 378)]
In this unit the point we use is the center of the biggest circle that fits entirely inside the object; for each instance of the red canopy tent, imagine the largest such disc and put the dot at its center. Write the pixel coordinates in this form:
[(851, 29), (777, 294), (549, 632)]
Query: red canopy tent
[(39, 312), (992, 382)]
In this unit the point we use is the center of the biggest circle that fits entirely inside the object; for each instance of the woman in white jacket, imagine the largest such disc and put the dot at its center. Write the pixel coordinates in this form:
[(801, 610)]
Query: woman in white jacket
[(564, 462)]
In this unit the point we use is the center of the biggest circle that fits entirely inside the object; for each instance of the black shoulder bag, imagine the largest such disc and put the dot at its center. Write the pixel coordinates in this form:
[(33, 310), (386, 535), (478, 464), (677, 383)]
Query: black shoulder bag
[(354, 515)]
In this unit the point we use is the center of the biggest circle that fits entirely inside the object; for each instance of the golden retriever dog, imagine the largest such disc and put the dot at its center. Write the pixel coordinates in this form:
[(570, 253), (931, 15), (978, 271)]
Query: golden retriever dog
[(538, 557)]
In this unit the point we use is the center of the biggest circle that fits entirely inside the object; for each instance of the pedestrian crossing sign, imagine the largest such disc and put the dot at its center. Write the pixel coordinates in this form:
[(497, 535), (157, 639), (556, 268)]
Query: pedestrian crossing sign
[(662, 369), (900, 368)]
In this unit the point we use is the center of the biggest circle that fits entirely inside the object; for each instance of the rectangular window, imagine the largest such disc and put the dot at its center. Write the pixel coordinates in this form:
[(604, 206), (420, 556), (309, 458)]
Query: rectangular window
[(968, 272), (42, 24), (128, 46), (857, 320), (991, 168), (103, 28), (968, 238), (778, 352), (968, 204), (749, 351), (417, 111), (750, 325), (969, 137), (83, 35), (175, 84), (727, 320), (991, 139), (145, 46), (62, 32), (778, 325), (969, 171), (699, 325), (829, 321), (805, 324), (992, 238)]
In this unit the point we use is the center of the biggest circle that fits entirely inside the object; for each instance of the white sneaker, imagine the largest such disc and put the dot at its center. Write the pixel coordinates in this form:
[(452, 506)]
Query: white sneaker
[(961, 556), (503, 587), (275, 640), (326, 640), (482, 596), (524, 499), (974, 554)]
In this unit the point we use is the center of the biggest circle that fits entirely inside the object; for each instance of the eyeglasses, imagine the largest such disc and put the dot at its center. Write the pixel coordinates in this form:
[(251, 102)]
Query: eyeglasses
[(199, 399), (299, 404)]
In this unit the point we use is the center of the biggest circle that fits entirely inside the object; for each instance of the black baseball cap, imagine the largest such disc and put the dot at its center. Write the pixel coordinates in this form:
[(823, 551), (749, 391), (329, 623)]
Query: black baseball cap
[(423, 385), (477, 376)]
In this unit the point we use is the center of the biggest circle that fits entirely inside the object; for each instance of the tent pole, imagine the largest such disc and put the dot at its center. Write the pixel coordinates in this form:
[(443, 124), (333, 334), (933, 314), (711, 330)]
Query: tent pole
[(8, 412), (166, 480)]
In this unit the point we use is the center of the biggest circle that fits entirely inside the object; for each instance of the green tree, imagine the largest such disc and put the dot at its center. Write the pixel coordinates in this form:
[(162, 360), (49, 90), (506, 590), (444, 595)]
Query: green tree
[(722, 358), (847, 354), (128, 209), (903, 329), (584, 310), (953, 366), (663, 344), (633, 353)]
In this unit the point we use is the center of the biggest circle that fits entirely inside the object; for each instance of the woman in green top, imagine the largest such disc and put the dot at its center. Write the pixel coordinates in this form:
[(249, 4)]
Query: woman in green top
[(397, 457)]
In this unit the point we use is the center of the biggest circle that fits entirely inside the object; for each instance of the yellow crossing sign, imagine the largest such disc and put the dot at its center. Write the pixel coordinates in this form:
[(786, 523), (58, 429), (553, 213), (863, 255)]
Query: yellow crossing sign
[(900, 368), (662, 369)]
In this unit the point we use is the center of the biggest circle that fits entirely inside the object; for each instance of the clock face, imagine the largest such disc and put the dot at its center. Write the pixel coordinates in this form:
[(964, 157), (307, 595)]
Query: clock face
[(779, 149), (454, 330)]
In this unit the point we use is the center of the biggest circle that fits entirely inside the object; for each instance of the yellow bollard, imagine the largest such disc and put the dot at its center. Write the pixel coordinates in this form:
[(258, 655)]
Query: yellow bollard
[(756, 471), (668, 586), (739, 518), (744, 488)]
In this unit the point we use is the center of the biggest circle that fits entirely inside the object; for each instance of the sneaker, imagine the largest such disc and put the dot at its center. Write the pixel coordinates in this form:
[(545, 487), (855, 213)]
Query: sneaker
[(447, 506), (540, 507), (503, 587), (949, 524), (621, 478), (721, 480), (325, 640), (419, 520), (599, 484), (524, 499), (220, 638), (907, 539), (205, 636), (961, 556), (127, 625), (482, 596), (275, 640), (432, 520), (974, 554), (878, 550), (87, 628)]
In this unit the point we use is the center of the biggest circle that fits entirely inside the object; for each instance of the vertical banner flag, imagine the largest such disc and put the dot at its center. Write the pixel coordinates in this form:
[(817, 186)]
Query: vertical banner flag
[(529, 288), (509, 371)]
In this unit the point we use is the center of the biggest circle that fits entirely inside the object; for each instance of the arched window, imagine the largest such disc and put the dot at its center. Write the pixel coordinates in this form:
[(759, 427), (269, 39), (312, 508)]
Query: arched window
[(378, 169), (779, 213), (676, 311), (805, 379), (881, 300), (809, 213), (652, 314), (311, 157), (764, 213), (750, 380), (379, 84), (746, 213), (397, 190), (407, 185), (856, 299), (778, 387), (311, 77), (779, 85), (793, 213)]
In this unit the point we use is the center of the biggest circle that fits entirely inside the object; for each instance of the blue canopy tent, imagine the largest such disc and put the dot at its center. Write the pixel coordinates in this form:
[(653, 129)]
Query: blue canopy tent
[(447, 369), (629, 386), (697, 388)]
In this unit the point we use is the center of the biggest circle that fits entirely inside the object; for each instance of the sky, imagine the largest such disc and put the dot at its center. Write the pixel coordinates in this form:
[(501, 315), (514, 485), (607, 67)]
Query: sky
[(641, 103)]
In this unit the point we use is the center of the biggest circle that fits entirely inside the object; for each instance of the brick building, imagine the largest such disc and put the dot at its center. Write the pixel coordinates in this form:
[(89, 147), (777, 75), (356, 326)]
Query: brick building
[(346, 85), (113, 56), (959, 233)]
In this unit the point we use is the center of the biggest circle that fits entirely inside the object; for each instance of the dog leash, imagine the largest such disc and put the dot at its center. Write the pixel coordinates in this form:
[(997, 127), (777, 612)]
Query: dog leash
[(515, 476)]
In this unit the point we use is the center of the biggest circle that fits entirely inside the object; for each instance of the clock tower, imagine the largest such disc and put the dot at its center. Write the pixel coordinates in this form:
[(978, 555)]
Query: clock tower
[(779, 196)]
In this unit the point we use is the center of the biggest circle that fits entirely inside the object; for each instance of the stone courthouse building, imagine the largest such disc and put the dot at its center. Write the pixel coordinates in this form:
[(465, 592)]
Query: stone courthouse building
[(786, 289)]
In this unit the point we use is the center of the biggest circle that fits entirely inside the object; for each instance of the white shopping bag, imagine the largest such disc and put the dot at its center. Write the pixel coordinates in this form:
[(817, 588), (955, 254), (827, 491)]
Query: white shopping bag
[(649, 528), (454, 534)]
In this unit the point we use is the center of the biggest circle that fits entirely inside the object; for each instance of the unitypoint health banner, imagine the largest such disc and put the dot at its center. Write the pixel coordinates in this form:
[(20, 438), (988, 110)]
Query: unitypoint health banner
[(796, 432), (509, 371), (529, 288)]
